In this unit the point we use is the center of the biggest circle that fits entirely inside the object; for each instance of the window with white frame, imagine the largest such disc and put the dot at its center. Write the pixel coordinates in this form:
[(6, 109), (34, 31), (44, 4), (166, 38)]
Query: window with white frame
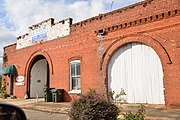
[(75, 76)]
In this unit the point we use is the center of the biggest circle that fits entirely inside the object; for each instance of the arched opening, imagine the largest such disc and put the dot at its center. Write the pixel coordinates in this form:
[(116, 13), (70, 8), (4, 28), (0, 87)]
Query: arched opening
[(38, 79), (136, 68)]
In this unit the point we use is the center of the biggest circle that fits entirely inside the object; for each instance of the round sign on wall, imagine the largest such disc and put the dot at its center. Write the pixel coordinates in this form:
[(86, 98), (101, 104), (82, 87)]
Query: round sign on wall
[(20, 78)]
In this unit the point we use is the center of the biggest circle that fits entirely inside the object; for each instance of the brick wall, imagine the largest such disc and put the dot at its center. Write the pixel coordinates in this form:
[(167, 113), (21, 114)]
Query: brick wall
[(153, 22)]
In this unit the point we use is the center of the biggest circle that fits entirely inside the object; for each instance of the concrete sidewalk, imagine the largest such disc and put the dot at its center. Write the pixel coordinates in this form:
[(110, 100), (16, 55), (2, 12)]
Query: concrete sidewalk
[(153, 112), (62, 108), (39, 104)]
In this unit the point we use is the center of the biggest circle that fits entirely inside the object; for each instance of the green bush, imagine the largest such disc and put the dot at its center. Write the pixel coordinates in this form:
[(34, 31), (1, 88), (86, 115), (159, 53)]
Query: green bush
[(92, 106), (0, 81), (3, 93)]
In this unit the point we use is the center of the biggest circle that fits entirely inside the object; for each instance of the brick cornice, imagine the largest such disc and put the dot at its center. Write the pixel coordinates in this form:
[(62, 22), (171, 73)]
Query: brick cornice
[(140, 21)]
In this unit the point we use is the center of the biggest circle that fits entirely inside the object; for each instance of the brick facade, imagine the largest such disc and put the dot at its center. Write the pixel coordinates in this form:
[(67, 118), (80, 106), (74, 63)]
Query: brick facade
[(155, 23)]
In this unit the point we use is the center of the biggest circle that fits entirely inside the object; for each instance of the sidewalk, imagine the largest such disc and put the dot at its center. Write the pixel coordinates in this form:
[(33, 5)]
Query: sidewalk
[(153, 112), (39, 104), (62, 108)]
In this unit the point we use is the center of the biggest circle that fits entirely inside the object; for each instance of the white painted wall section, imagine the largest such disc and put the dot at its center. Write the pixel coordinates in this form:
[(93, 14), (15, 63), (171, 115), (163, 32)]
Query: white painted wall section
[(137, 69), (59, 30), (53, 31)]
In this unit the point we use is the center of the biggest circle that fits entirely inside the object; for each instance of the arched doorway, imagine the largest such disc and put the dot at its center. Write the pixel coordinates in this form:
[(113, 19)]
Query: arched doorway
[(136, 68), (38, 77)]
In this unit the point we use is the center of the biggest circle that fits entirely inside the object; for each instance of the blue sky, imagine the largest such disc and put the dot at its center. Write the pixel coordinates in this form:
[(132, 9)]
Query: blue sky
[(17, 15)]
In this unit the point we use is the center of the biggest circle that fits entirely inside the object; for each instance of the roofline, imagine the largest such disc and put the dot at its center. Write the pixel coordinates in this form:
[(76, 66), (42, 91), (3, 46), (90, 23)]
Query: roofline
[(9, 45), (144, 3)]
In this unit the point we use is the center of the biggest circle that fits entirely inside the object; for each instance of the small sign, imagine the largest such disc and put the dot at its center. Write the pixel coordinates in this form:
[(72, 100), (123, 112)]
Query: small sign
[(20, 78), (39, 34), (19, 83)]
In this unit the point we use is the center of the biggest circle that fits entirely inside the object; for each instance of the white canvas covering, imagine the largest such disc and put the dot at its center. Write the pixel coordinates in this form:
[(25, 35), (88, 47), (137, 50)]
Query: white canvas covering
[(38, 78), (137, 69)]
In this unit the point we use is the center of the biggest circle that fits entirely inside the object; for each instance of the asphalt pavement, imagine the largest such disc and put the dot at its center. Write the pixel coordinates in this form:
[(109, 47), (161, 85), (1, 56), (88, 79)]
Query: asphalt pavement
[(39, 115), (50, 109)]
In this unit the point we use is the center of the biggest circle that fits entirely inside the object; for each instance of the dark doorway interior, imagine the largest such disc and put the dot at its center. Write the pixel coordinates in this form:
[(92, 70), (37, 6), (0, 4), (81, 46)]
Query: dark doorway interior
[(11, 84)]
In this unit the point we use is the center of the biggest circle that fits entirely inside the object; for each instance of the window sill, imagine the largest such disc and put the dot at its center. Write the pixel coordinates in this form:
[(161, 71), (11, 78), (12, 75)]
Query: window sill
[(75, 92)]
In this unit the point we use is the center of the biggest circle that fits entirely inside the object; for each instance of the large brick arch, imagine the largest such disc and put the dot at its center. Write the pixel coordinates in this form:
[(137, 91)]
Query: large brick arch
[(33, 56), (152, 42), (30, 61)]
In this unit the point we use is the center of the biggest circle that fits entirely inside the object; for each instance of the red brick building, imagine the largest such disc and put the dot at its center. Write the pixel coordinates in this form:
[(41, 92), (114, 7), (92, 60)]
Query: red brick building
[(136, 48)]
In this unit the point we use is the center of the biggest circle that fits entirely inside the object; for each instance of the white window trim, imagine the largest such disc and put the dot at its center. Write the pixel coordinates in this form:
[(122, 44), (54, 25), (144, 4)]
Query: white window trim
[(75, 61), (74, 91)]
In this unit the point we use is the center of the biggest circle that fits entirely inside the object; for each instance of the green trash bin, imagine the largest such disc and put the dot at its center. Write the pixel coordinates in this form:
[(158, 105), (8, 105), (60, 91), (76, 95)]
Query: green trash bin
[(48, 94), (57, 95)]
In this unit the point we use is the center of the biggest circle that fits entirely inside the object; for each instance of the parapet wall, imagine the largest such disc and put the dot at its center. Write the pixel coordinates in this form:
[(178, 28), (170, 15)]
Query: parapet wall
[(137, 13), (44, 31)]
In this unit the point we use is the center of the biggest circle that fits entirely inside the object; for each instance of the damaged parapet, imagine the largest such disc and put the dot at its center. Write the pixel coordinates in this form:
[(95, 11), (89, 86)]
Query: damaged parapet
[(44, 31)]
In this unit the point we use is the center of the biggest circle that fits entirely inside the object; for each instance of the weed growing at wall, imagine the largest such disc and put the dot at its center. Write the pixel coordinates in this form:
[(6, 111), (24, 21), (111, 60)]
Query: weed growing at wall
[(139, 115), (3, 93)]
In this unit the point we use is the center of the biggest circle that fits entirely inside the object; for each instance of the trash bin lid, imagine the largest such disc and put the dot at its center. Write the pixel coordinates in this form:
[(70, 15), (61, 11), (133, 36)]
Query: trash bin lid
[(54, 90)]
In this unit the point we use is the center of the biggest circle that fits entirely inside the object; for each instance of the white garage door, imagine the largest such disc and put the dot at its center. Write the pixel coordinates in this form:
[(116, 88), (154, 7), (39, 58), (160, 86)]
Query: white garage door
[(137, 69), (38, 78)]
